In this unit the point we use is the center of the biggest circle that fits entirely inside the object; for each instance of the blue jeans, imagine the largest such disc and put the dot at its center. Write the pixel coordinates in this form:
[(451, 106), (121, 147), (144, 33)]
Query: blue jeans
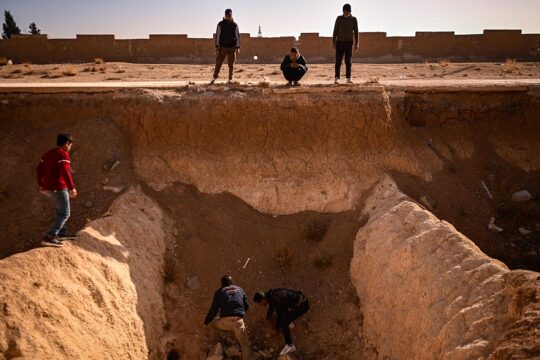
[(61, 204)]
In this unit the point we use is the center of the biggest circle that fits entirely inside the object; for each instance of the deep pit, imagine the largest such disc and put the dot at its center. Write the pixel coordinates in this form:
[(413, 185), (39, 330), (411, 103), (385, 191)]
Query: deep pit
[(290, 180)]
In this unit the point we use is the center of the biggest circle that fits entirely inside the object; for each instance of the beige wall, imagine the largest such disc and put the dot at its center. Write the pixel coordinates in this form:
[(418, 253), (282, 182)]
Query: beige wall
[(492, 45)]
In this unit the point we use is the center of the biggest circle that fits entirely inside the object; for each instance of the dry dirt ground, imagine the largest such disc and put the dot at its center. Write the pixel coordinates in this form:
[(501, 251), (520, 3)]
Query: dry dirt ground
[(318, 73)]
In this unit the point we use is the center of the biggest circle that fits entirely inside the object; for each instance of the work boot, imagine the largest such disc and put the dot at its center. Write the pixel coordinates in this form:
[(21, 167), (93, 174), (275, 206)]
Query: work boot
[(289, 83), (296, 83), (67, 236), (52, 241), (336, 81), (349, 81), (288, 349)]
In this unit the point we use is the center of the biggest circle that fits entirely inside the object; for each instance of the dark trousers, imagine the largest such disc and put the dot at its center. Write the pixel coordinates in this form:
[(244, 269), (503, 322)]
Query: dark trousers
[(230, 53), (344, 48), (291, 316), (294, 74)]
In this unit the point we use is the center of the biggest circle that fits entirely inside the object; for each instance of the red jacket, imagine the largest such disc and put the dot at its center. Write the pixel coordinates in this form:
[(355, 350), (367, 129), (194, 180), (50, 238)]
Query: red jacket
[(53, 170)]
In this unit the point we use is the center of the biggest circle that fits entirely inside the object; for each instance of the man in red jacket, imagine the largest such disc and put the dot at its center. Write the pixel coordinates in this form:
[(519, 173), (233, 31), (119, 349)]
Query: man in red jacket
[(54, 180)]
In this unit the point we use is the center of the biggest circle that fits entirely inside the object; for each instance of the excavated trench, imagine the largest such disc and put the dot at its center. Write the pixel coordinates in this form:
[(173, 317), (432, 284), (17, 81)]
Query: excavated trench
[(336, 191)]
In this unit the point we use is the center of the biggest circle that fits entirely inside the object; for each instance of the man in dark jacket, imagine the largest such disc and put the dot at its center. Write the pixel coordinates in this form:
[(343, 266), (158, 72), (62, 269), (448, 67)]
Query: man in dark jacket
[(227, 44), (289, 305), (231, 302), (345, 35), (294, 67), (54, 180)]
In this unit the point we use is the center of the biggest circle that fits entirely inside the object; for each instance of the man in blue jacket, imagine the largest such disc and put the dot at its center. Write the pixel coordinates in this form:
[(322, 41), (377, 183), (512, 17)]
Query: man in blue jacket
[(232, 304), (294, 67), (227, 44)]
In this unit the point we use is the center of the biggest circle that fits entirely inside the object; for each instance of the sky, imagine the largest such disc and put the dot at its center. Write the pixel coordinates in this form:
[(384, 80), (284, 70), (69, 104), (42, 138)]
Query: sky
[(198, 18)]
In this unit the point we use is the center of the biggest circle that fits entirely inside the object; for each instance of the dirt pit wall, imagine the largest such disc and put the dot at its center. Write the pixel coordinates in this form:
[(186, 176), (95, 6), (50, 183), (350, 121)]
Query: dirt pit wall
[(97, 298), (427, 292)]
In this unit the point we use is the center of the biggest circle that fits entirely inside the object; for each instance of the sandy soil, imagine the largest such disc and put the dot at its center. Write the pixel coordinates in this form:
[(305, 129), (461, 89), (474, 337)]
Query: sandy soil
[(318, 73)]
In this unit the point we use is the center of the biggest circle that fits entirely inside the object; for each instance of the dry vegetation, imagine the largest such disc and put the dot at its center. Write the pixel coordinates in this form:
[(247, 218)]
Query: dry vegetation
[(323, 260), (511, 65), (3, 61), (284, 255), (99, 61), (444, 62), (316, 230)]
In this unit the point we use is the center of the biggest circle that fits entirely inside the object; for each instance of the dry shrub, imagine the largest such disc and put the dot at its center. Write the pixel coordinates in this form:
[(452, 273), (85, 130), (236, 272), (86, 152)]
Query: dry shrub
[(372, 81), (69, 72), (323, 260), (444, 62), (26, 63), (316, 230), (510, 65), (284, 255), (3, 60), (99, 61)]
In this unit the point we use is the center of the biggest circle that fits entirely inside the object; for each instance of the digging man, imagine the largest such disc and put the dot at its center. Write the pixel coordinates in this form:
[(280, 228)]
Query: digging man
[(227, 44), (55, 181), (289, 305), (232, 304), (294, 67)]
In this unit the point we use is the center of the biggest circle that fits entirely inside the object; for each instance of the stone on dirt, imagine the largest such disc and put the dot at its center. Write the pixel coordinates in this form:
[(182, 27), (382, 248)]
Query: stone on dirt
[(523, 231), (521, 196), (494, 228), (114, 189)]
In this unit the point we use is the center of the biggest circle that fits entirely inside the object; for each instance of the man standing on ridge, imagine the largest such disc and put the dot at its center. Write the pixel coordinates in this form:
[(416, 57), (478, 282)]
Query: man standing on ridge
[(54, 180), (227, 44), (232, 304), (344, 37)]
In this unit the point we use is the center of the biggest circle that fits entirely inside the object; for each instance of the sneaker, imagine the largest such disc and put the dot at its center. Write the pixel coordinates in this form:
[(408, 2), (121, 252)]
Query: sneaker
[(51, 241), (336, 81), (288, 349), (289, 83), (296, 83), (349, 81), (67, 236)]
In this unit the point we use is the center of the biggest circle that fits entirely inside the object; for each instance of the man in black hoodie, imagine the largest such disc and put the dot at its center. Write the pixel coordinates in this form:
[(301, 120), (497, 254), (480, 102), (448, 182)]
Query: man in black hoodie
[(289, 305), (227, 44), (344, 37), (294, 67), (231, 302)]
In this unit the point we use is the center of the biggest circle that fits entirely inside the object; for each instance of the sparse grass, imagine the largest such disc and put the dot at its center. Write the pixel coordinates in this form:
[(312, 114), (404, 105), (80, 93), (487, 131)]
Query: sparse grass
[(26, 63), (69, 72), (316, 230), (323, 260), (284, 255), (372, 81), (3, 61), (99, 61), (444, 62), (510, 66)]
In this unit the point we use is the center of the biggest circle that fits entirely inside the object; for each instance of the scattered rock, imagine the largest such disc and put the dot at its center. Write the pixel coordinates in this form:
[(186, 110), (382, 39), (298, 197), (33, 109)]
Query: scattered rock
[(114, 189), (494, 228), (523, 231), (521, 196), (193, 282), (232, 352), (88, 204)]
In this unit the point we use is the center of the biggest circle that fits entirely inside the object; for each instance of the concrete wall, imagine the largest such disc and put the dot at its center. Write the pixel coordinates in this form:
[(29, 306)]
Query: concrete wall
[(492, 45)]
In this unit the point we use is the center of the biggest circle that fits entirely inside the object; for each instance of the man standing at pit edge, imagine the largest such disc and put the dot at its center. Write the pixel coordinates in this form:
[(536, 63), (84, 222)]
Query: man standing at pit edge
[(54, 180), (345, 34), (227, 44)]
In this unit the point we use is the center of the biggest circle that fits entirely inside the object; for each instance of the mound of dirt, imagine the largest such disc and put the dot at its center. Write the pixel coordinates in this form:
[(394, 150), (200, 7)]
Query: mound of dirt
[(413, 271), (99, 297)]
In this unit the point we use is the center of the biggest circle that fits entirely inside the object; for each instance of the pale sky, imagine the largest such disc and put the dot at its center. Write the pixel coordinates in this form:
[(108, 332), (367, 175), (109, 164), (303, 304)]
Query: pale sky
[(198, 18)]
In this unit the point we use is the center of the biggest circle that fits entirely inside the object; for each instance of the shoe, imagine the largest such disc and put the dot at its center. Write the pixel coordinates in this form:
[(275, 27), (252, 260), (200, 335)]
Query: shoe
[(349, 81), (212, 82), (51, 241), (288, 349), (336, 81), (67, 236), (289, 83), (296, 83)]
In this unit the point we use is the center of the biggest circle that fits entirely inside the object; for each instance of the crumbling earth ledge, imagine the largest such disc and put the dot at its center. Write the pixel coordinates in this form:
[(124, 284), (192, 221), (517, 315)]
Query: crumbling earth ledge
[(428, 292), (96, 298)]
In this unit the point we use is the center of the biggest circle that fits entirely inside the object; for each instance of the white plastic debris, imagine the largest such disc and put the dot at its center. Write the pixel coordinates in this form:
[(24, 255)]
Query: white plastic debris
[(494, 228)]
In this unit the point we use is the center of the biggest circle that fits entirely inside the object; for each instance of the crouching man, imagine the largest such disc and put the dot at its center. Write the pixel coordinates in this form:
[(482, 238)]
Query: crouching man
[(232, 304), (294, 67), (289, 305)]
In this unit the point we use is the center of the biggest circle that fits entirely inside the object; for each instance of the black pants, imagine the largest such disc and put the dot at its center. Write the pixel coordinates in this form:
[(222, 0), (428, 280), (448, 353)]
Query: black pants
[(344, 48), (294, 74), (291, 316)]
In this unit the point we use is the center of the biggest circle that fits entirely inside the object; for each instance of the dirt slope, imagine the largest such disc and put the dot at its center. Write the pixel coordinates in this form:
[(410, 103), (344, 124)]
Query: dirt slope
[(413, 271), (97, 298)]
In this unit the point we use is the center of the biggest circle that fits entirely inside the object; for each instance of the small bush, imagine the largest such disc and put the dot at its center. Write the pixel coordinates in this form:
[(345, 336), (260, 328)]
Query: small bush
[(284, 255), (3, 61), (69, 72), (323, 260), (99, 61), (316, 230), (26, 63), (511, 65), (444, 62)]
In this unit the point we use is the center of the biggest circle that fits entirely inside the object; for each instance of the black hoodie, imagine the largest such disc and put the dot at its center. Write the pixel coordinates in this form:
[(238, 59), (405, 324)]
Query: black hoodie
[(227, 35)]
